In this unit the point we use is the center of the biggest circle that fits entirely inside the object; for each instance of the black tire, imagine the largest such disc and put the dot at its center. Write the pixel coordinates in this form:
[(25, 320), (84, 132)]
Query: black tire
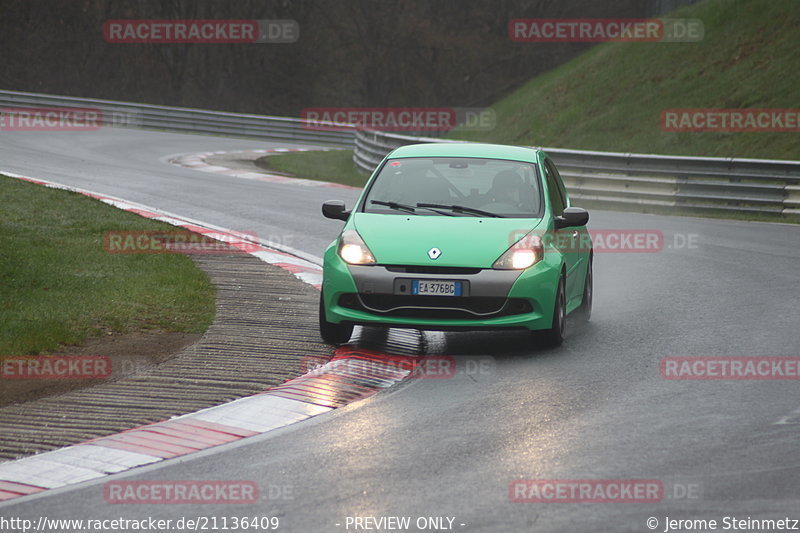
[(555, 335), (584, 312), (332, 333)]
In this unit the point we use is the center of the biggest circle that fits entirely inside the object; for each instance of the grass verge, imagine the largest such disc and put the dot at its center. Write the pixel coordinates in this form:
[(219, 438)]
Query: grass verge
[(330, 165), (58, 286)]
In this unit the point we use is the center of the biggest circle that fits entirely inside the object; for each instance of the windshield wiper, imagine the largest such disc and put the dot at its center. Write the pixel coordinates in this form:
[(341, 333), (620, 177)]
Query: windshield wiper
[(403, 207), (463, 209), (395, 205)]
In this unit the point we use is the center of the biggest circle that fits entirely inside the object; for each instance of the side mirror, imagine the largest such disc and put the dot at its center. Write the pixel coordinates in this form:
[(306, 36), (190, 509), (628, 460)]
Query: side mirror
[(335, 209), (572, 216)]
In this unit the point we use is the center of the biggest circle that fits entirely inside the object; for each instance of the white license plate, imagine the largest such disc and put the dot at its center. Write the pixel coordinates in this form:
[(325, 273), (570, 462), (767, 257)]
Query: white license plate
[(435, 287)]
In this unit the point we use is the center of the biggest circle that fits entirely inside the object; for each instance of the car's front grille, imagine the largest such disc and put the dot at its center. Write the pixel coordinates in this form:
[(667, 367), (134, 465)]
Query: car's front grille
[(425, 269), (404, 306)]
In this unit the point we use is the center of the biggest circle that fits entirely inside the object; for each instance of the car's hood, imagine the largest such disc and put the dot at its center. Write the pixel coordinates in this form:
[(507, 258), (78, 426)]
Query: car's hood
[(464, 241)]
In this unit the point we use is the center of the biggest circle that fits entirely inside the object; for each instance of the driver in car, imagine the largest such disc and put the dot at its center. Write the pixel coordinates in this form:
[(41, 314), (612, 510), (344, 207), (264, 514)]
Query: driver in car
[(506, 187)]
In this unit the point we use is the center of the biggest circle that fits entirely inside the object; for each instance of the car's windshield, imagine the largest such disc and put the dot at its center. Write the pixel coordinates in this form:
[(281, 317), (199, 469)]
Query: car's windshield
[(463, 186)]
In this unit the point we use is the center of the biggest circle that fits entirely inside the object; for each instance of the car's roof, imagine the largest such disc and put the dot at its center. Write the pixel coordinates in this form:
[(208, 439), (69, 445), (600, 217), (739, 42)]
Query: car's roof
[(490, 151)]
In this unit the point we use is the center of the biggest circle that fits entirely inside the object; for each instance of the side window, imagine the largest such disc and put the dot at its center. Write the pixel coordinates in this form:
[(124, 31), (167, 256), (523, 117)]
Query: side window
[(561, 188), (554, 189)]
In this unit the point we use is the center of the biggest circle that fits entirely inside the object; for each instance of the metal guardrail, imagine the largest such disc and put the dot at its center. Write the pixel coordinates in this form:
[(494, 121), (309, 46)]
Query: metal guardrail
[(180, 119), (700, 184)]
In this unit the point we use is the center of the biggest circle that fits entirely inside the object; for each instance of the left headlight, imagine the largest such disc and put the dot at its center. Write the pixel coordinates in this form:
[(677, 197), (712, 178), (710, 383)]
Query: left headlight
[(522, 254), (353, 249)]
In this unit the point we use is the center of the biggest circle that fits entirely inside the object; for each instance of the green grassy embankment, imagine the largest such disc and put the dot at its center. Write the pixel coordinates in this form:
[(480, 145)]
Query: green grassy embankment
[(58, 285), (611, 97)]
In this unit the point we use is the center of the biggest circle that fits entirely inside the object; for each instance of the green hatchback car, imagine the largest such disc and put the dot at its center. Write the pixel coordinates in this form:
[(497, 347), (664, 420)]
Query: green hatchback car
[(458, 236)]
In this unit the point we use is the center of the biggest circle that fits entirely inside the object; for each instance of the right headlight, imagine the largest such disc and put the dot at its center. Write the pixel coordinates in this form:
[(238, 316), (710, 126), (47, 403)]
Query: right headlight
[(523, 254), (353, 249)]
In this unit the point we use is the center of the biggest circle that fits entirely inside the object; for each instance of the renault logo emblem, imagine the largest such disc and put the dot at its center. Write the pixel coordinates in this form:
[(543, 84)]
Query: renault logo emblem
[(434, 253)]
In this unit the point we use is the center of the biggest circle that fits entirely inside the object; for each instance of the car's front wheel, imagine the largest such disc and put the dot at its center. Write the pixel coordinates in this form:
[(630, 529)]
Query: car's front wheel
[(555, 335), (330, 332)]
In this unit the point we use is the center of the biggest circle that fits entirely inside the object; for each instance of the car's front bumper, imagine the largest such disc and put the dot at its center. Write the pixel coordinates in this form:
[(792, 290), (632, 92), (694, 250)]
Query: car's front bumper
[(495, 299)]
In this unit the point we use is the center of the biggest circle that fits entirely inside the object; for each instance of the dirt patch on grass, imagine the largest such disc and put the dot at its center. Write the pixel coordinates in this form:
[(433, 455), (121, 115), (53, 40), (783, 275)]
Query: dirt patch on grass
[(127, 354), (264, 332)]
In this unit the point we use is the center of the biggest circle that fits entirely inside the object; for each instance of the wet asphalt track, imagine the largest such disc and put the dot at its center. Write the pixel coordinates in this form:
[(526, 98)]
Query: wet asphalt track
[(596, 408)]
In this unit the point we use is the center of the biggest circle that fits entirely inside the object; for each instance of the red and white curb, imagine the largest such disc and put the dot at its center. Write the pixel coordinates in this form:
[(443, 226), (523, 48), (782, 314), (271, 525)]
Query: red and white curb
[(327, 387), (198, 162)]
